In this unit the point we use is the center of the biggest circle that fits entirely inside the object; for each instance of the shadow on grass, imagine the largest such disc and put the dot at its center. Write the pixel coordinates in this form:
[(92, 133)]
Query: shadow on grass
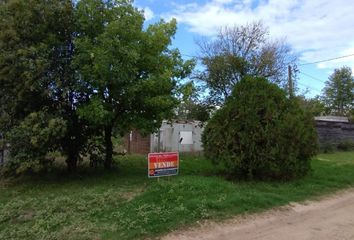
[(125, 169)]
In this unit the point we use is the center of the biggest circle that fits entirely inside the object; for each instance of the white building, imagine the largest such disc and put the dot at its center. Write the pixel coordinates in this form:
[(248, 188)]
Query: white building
[(178, 135)]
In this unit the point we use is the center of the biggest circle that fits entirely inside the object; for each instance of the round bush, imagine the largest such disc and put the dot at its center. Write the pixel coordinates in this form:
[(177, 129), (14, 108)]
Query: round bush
[(261, 134)]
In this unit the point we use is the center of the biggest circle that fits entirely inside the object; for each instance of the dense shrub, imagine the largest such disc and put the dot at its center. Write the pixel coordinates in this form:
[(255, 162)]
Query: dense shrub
[(260, 133), (346, 145), (327, 147), (33, 143)]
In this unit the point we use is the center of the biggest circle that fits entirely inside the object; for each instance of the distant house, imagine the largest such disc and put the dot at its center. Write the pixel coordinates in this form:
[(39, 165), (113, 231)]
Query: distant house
[(178, 135), (185, 136), (334, 130)]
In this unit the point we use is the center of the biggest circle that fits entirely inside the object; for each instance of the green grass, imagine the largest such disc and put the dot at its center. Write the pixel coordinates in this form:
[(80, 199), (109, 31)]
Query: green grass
[(337, 158), (125, 204)]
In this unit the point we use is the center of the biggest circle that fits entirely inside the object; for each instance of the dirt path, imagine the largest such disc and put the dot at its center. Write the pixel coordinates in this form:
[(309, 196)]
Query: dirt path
[(330, 218)]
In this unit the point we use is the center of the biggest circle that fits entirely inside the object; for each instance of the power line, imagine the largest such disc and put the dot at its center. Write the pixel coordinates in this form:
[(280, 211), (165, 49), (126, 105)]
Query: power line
[(186, 55), (312, 77), (327, 60), (304, 64), (307, 86)]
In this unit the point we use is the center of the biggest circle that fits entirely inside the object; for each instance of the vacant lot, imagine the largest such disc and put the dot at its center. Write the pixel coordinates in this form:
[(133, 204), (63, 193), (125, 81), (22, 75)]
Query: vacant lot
[(124, 204)]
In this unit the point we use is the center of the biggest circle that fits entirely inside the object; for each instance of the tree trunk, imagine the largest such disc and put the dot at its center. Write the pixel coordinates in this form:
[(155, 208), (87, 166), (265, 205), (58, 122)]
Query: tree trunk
[(109, 147), (72, 144), (72, 156), (71, 162)]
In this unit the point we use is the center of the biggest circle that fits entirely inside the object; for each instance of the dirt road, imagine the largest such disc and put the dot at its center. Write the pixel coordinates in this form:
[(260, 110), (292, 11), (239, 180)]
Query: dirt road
[(330, 218)]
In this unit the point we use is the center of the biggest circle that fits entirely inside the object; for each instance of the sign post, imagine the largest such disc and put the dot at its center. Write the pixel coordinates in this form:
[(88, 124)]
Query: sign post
[(163, 164)]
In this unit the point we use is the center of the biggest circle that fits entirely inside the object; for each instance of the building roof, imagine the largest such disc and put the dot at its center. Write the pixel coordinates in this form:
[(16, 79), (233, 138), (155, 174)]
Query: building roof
[(182, 121), (332, 119)]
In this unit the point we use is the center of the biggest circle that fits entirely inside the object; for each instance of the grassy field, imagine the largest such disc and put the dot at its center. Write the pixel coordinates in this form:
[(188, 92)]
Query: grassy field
[(125, 204)]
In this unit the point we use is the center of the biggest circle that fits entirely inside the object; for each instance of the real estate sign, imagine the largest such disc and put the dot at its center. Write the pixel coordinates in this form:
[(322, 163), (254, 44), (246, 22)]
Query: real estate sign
[(163, 164)]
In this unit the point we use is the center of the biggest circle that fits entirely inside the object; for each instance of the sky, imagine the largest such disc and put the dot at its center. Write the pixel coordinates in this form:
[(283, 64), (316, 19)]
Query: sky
[(315, 29)]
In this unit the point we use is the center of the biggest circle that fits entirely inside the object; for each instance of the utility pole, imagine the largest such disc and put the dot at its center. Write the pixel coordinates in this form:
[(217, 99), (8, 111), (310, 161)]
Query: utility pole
[(290, 82)]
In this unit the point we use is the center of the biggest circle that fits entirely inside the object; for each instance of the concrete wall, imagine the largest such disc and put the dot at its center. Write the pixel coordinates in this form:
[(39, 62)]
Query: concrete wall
[(167, 139), (170, 136)]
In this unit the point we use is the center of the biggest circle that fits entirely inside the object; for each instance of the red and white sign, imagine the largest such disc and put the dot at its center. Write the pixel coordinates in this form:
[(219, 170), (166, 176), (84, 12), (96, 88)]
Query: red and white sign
[(163, 164)]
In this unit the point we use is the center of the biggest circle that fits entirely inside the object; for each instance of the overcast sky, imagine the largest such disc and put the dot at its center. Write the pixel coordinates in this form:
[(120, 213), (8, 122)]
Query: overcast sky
[(315, 29)]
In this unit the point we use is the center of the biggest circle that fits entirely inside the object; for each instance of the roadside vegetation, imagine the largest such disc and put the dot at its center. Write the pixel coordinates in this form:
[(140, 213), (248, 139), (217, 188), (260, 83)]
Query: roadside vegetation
[(78, 76), (124, 204), (260, 133)]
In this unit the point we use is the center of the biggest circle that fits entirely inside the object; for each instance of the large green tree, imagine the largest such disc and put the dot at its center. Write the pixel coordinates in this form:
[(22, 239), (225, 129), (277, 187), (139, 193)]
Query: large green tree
[(192, 106), (36, 73), (338, 94), (131, 71), (315, 106), (85, 69)]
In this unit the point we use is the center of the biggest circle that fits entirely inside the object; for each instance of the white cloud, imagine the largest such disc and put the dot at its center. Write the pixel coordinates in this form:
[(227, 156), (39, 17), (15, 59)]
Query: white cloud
[(317, 29), (148, 13)]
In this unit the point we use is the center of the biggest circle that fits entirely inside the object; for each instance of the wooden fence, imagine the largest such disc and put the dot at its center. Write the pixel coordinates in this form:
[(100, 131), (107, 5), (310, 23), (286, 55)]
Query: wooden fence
[(331, 132)]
